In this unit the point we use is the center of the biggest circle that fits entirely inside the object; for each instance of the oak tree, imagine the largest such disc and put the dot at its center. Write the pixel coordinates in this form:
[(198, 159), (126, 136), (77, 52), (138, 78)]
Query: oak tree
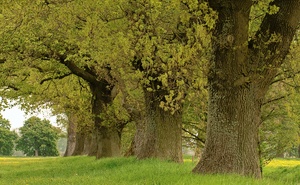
[(243, 67)]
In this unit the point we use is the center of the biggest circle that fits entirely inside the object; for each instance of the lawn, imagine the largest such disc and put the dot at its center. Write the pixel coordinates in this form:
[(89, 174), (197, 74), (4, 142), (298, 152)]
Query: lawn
[(87, 170)]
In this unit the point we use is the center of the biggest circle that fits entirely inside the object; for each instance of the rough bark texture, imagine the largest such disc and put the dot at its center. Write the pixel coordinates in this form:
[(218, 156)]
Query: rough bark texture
[(239, 77), (71, 140), (159, 136), (107, 138)]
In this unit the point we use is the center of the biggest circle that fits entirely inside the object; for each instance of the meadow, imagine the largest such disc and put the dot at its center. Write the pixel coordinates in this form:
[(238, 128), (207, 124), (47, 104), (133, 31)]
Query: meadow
[(87, 170)]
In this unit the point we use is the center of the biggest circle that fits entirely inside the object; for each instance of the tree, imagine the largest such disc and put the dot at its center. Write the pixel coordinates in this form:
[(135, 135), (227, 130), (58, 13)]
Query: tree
[(38, 138), (7, 137), (59, 55), (243, 66), (168, 41)]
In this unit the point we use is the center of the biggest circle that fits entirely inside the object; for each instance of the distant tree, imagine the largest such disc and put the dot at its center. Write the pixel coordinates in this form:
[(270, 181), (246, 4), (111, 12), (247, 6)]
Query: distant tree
[(38, 138), (7, 137)]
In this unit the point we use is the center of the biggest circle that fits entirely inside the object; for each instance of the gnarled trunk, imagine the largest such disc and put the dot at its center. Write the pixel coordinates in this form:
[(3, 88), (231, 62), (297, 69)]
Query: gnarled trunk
[(105, 139), (159, 136), (241, 71), (232, 133), (71, 140)]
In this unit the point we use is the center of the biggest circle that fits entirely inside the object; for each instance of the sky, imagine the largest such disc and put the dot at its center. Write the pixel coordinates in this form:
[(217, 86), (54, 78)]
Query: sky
[(17, 117)]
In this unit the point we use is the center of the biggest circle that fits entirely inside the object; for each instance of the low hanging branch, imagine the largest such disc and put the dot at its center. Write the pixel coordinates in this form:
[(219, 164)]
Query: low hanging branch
[(56, 78), (276, 99), (194, 136)]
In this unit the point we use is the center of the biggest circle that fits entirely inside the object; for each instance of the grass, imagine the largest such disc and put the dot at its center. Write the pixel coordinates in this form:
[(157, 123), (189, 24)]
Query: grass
[(285, 170), (87, 170)]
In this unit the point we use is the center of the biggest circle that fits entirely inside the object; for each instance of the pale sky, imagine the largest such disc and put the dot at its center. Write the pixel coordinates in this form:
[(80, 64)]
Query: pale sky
[(17, 117)]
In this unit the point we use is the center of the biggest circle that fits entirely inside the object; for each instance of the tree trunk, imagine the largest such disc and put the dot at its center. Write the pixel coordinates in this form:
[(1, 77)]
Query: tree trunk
[(234, 97), (36, 153), (131, 150), (299, 151), (240, 74), (71, 140), (79, 144), (232, 133), (107, 139), (109, 142), (89, 145), (159, 136)]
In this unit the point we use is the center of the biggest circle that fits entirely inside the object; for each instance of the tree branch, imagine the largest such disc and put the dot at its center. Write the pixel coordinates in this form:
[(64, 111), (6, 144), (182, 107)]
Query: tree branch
[(194, 136), (55, 78), (276, 33), (78, 71), (12, 87), (286, 77), (275, 99)]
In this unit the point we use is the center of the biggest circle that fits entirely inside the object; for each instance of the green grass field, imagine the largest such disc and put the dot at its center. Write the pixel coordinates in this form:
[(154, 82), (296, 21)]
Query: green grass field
[(86, 170)]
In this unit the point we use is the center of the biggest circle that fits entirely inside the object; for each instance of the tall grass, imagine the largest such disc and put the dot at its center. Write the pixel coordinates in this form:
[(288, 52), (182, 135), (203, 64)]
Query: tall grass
[(87, 170)]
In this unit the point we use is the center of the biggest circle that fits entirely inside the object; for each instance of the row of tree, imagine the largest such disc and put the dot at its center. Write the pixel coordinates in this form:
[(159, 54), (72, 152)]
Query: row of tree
[(36, 138), (156, 64)]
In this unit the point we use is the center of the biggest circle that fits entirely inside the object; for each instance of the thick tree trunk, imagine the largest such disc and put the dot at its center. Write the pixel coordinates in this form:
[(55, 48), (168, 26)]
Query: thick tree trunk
[(109, 142), (232, 133), (89, 145), (160, 134), (107, 139), (71, 140), (234, 102), (240, 74), (80, 136)]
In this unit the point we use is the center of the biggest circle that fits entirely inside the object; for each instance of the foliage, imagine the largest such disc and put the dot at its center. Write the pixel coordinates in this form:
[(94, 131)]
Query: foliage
[(7, 137), (85, 170), (281, 117), (53, 58), (38, 137), (287, 170), (171, 44)]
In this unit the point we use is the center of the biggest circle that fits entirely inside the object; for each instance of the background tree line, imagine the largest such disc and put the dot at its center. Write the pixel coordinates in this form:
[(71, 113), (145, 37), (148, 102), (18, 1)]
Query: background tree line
[(36, 137)]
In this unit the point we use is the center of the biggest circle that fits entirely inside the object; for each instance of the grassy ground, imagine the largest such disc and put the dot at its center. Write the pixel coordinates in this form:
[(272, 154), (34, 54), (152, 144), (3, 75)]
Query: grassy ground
[(87, 170)]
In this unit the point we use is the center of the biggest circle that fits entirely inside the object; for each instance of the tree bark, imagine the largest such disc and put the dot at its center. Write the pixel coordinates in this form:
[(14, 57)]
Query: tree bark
[(36, 153), (299, 151), (79, 144), (159, 136), (107, 138), (89, 145), (232, 133), (239, 77), (71, 140)]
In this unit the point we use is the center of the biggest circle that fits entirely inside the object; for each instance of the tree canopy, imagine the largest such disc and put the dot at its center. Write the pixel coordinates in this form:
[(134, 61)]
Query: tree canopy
[(7, 137), (159, 63), (38, 138)]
